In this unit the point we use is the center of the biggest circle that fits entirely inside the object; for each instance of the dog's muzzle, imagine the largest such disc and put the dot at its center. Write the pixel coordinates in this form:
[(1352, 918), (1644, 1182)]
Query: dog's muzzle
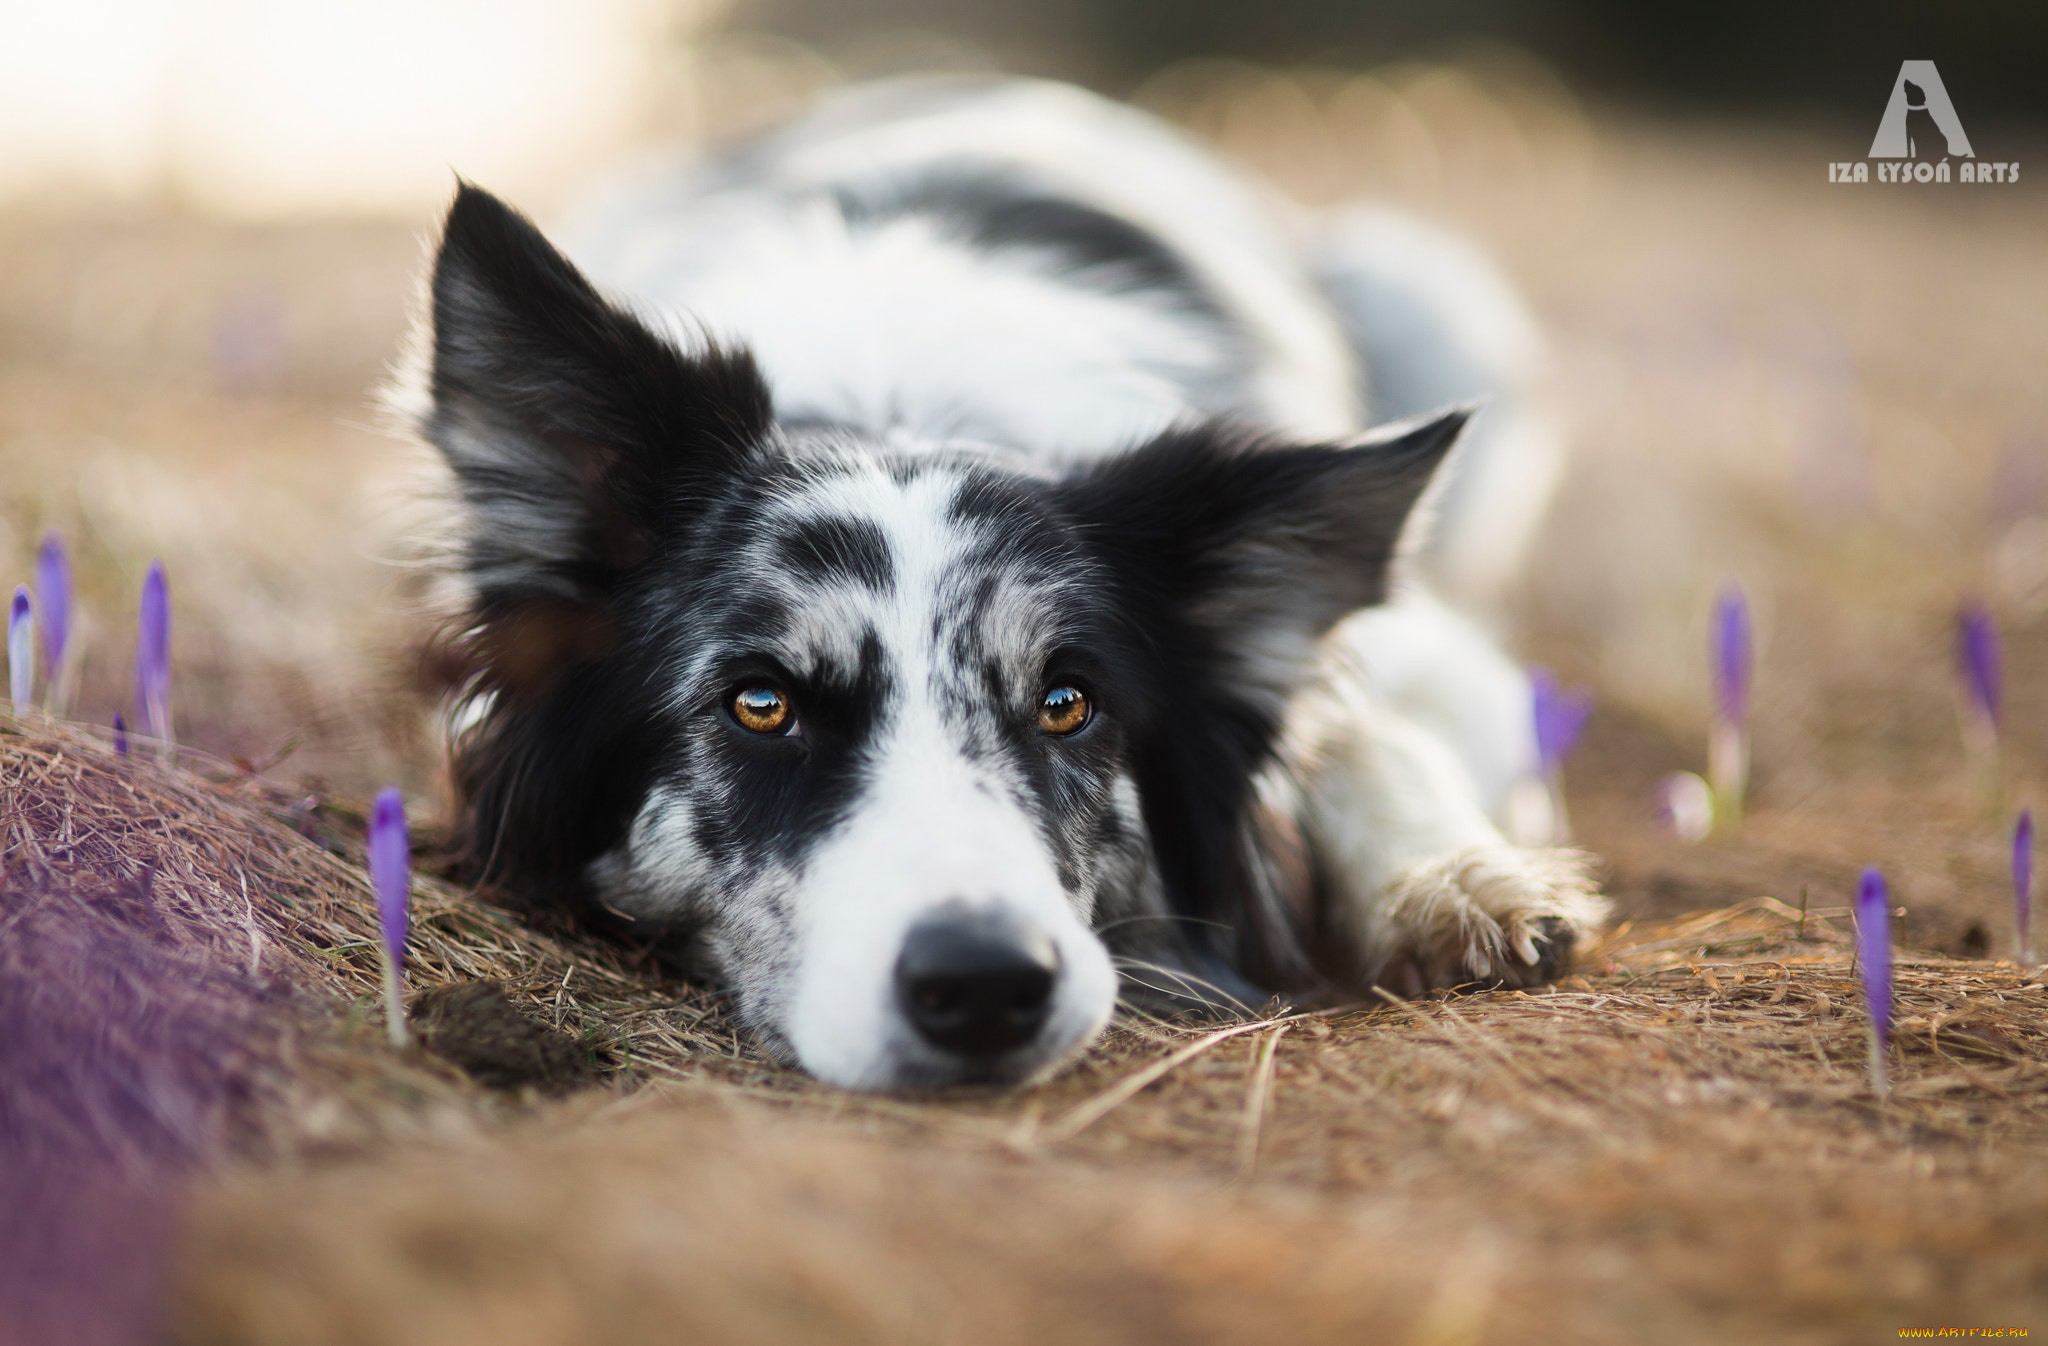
[(976, 984)]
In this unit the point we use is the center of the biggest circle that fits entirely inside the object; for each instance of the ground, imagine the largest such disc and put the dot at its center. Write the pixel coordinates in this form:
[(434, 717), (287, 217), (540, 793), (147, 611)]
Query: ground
[(1828, 393)]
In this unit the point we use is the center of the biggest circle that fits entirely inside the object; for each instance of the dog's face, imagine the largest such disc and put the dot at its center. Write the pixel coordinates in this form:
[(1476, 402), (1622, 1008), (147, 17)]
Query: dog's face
[(894, 782), (888, 727)]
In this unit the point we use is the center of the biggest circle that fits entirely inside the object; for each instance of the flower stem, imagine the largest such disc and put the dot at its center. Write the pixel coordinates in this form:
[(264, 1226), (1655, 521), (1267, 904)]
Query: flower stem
[(1560, 821), (1728, 771), (394, 1006), (1980, 744)]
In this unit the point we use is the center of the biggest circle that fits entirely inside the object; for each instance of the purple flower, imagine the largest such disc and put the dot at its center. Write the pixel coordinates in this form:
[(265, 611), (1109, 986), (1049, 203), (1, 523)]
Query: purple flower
[(1874, 950), (153, 655), (1732, 654), (21, 651), (390, 875), (1978, 662), (1560, 718), (120, 734), (390, 868), (53, 599), (2023, 875)]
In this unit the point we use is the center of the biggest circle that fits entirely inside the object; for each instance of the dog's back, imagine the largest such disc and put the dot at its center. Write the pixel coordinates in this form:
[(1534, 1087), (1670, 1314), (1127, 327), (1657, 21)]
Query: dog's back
[(1023, 263), (1014, 262)]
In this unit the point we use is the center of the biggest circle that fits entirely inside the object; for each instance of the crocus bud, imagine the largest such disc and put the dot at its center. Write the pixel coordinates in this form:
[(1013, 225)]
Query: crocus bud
[(21, 651), (2023, 880), (1980, 683), (1560, 716), (153, 656), (1728, 746), (1874, 952), (53, 603), (1733, 655), (391, 876), (1978, 663)]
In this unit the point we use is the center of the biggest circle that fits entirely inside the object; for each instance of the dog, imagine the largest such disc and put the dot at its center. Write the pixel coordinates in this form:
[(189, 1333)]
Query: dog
[(932, 565)]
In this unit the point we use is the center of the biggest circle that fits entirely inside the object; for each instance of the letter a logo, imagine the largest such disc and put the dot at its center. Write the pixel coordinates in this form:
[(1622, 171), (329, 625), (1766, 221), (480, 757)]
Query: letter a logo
[(1919, 113)]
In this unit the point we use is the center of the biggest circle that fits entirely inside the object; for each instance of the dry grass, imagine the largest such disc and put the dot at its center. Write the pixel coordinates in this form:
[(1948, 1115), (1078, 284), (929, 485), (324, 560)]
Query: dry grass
[(1686, 1115), (261, 884)]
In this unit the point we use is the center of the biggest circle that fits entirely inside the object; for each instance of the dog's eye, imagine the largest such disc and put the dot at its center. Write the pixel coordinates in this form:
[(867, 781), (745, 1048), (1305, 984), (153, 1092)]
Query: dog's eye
[(1063, 710), (765, 710)]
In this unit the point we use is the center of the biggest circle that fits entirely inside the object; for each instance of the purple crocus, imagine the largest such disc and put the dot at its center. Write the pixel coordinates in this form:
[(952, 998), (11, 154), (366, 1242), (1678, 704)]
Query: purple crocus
[(390, 868), (2023, 877), (1874, 951), (1982, 677), (153, 656), (1977, 660), (53, 604), (390, 875), (120, 734), (1733, 655), (1560, 715), (21, 651)]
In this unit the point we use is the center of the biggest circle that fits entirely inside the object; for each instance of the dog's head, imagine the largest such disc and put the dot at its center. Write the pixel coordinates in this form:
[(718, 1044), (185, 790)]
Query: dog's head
[(887, 727)]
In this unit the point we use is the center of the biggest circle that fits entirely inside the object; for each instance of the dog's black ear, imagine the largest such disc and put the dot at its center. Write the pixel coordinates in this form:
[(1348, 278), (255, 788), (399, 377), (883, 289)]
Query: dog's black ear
[(1234, 556), (1249, 551), (573, 430)]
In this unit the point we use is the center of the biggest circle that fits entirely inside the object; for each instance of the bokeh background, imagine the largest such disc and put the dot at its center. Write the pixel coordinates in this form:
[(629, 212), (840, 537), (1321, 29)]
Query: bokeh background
[(213, 215)]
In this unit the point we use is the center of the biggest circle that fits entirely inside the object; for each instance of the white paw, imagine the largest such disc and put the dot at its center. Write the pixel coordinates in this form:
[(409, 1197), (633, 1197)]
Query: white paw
[(1497, 915)]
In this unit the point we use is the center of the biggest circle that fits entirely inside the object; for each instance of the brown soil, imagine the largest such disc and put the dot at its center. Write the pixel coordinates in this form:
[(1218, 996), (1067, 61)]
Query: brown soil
[(475, 1025)]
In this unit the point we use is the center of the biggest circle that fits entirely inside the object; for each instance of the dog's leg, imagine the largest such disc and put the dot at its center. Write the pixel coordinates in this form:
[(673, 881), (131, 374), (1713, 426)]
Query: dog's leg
[(1422, 882)]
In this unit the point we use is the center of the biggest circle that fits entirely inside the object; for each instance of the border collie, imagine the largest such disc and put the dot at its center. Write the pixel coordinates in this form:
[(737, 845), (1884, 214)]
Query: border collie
[(932, 564)]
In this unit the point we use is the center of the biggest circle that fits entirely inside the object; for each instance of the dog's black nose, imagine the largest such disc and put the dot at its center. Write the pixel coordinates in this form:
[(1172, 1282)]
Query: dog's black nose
[(975, 983)]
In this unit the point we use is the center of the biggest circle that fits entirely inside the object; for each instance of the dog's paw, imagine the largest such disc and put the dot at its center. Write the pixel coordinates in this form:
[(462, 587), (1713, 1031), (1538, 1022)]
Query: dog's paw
[(1484, 916)]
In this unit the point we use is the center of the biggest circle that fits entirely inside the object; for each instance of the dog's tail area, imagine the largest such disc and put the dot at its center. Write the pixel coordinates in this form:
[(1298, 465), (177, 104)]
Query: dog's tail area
[(1432, 323)]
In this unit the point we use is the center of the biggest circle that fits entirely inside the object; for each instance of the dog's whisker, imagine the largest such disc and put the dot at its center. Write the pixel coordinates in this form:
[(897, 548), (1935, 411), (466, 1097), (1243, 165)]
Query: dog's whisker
[(1181, 978), (1163, 917)]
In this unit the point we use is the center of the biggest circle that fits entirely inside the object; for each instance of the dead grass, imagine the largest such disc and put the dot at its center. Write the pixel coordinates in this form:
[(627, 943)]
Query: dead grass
[(239, 875), (1686, 1116)]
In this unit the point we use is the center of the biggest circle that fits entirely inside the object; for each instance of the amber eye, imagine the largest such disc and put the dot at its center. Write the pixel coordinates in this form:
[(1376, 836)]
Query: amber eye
[(1062, 710), (764, 710)]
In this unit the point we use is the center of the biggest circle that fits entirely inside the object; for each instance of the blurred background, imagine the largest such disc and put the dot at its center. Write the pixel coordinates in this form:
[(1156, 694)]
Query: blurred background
[(213, 213), (268, 111)]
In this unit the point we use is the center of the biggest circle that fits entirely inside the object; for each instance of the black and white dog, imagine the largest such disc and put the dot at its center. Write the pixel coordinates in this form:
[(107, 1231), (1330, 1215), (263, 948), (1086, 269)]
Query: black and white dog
[(932, 559)]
